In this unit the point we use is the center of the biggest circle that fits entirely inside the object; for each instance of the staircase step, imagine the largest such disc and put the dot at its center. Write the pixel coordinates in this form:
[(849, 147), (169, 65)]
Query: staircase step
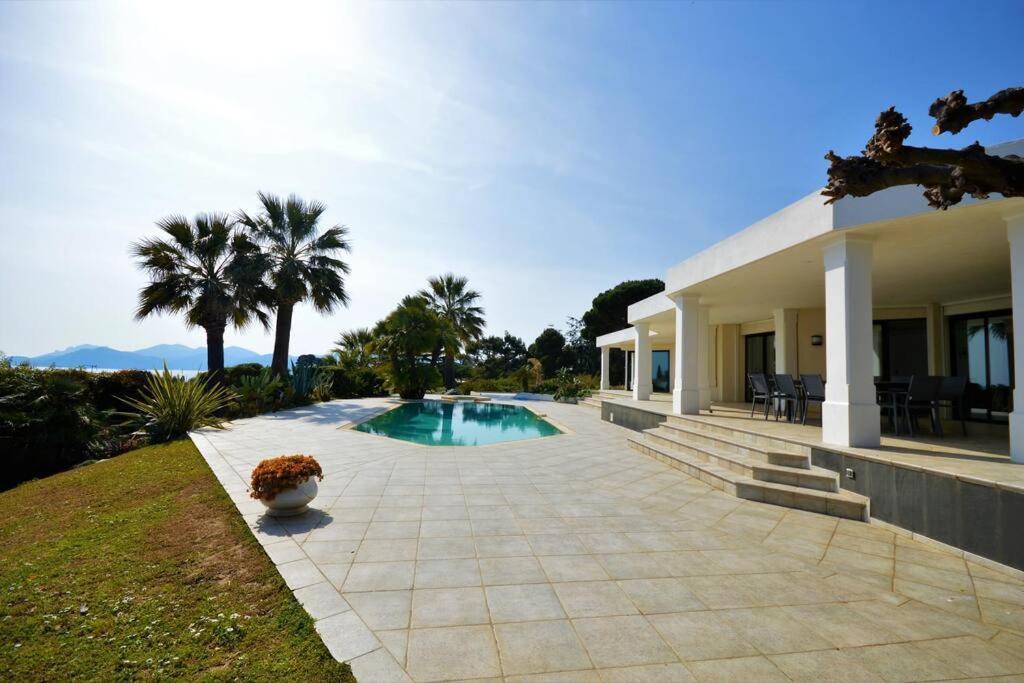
[(755, 468), (837, 504), (748, 436), (590, 401), (730, 443)]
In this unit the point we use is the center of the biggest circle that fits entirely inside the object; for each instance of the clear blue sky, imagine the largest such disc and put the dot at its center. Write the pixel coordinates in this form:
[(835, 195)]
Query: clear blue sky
[(546, 150)]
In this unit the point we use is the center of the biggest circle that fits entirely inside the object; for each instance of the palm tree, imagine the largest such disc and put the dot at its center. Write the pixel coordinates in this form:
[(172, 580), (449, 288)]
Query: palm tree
[(303, 266), (449, 296), (208, 271), (402, 340), (353, 345)]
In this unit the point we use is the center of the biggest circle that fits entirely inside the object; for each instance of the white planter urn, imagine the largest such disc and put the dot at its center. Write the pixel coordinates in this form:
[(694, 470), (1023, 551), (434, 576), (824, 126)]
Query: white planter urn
[(293, 501)]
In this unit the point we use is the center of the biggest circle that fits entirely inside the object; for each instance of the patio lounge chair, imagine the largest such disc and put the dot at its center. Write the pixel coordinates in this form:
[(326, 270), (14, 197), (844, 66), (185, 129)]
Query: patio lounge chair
[(760, 391), (814, 392), (787, 395)]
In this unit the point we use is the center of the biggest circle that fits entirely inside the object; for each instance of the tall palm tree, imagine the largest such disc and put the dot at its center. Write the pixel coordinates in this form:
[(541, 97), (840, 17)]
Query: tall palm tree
[(303, 266), (207, 270), (450, 297)]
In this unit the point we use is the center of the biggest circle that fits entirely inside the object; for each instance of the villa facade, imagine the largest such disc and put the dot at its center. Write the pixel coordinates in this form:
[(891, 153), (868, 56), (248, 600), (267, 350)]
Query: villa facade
[(863, 290)]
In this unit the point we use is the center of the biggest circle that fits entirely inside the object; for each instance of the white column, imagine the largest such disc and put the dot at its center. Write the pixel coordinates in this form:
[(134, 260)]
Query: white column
[(686, 391), (786, 342), (625, 369), (642, 379), (703, 358), (604, 367), (850, 415), (1015, 234)]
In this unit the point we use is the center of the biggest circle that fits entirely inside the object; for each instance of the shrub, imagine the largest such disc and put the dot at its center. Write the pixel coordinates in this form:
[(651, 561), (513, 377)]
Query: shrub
[(569, 386), (47, 421), (258, 393), (275, 475), (173, 406), (234, 375), (110, 387), (503, 384), (548, 386), (357, 382)]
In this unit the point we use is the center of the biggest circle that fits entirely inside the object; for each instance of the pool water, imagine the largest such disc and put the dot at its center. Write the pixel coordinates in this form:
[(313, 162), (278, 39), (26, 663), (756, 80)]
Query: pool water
[(437, 423)]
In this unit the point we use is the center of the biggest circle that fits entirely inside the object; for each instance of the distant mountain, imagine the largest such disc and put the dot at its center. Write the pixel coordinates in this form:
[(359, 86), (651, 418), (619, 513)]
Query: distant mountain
[(177, 357)]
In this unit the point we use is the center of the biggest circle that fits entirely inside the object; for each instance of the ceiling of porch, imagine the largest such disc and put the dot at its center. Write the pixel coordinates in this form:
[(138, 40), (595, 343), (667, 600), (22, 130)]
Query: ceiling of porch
[(938, 257)]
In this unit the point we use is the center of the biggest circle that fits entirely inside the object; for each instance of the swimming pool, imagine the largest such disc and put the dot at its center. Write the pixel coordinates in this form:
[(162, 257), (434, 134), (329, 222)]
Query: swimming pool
[(436, 423)]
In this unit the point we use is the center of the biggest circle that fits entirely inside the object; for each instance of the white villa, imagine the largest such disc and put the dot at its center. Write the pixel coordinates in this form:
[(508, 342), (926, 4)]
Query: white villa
[(858, 291)]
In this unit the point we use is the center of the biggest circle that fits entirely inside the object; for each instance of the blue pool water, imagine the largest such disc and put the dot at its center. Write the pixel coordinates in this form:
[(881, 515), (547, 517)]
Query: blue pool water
[(439, 423)]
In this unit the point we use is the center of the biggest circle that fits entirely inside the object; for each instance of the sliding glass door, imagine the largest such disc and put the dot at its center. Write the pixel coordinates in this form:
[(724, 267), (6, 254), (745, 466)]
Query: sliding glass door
[(981, 349), (900, 349)]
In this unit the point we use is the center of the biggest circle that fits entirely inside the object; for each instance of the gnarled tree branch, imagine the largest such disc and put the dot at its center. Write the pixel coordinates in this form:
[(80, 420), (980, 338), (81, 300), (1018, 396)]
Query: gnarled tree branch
[(946, 174), (952, 113)]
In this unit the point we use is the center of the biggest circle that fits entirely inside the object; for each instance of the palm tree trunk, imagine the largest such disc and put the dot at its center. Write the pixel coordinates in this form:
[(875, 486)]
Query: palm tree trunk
[(449, 369), (215, 352), (282, 334)]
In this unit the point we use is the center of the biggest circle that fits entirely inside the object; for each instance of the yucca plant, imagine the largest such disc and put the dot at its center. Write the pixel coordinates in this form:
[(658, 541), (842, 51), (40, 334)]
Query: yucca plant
[(173, 406)]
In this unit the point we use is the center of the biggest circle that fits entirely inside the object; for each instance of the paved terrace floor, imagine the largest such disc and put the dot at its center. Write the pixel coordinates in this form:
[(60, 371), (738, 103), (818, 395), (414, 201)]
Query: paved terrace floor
[(575, 558), (983, 454)]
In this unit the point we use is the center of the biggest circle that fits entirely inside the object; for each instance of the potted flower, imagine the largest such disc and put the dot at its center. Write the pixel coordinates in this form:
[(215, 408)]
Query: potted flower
[(286, 484)]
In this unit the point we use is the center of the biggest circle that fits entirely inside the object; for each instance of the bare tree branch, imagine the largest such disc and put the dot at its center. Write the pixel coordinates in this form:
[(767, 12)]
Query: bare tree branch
[(952, 113), (946, 174)]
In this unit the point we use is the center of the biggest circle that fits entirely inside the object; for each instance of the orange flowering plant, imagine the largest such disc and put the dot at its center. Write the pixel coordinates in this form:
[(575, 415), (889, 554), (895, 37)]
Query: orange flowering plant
[(274, 475)]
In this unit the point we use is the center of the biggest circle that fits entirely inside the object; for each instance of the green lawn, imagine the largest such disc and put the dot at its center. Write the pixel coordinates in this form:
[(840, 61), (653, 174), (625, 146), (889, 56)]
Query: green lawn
[(140, 567)]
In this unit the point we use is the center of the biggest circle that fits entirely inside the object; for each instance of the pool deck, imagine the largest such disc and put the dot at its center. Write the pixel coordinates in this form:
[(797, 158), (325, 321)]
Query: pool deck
[(575, 558)]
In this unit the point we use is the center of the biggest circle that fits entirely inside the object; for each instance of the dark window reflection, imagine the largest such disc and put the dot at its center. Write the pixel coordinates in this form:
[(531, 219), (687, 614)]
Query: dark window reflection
[(982, 350)]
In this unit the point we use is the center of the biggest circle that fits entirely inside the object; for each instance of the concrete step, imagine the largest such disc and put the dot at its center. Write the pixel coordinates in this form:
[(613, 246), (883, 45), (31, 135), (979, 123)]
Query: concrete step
[(754, 467), (837, 504), (690, 432), (749, 436), (590, 401)]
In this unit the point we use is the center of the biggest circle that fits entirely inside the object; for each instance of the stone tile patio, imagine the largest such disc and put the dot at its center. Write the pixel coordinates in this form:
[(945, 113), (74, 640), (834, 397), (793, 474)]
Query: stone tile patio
[(575, 558)]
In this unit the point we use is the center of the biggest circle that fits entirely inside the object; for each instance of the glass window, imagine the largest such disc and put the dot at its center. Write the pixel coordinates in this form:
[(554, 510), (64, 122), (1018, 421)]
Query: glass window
[(660, 371), (981, 348)]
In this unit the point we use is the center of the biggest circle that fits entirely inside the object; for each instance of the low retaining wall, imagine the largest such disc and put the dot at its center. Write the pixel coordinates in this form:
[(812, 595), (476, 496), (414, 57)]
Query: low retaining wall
[(636, 419), (979, 517)]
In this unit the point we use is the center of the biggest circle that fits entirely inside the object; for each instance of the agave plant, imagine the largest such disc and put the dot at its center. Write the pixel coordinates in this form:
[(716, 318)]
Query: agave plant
[(257, 392), (303, 381), (323, 386), (173, 406)]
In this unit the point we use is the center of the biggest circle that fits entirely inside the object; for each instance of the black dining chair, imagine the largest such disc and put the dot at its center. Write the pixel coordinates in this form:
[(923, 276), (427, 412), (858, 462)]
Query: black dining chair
[(814, 392), (951, 395), (922, 396), (787, 395), (760, 391)]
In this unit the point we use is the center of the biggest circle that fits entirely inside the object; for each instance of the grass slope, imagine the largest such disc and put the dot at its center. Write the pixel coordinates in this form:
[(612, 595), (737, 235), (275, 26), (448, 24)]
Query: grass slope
[(140, 567)]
